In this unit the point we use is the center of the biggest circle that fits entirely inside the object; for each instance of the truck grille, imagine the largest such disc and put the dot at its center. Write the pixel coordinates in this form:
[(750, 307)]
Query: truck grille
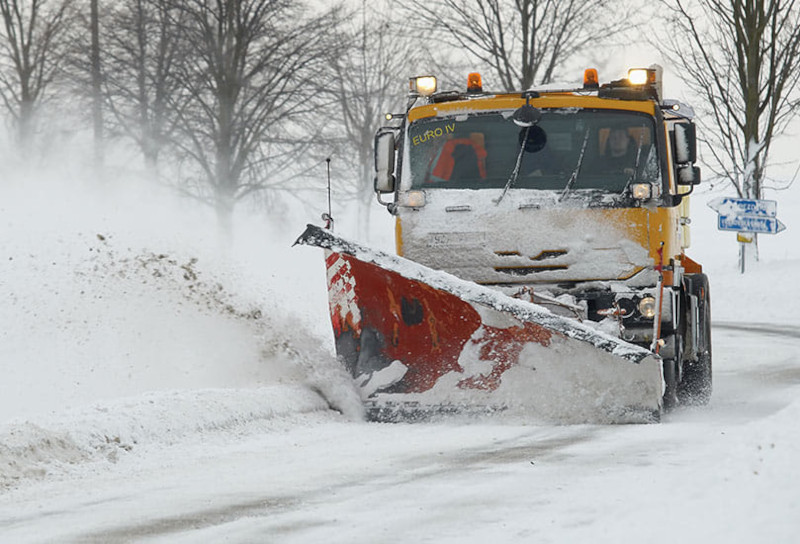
[(522, 270), (527, 270)]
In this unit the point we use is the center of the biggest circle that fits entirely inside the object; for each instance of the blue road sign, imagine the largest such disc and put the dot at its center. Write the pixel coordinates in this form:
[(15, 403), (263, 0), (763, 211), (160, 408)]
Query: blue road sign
[(742, 206), (750, 223)]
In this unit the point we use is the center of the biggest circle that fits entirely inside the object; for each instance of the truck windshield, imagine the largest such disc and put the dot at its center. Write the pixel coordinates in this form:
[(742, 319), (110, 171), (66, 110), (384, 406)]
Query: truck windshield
[(603, 150)]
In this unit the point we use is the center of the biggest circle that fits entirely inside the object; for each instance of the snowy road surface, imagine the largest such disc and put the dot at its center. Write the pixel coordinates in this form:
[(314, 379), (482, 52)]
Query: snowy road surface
[(724, 473)]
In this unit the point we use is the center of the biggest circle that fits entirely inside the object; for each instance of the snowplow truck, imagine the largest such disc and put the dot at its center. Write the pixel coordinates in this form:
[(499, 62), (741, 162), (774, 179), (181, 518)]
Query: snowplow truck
[(541, 267)]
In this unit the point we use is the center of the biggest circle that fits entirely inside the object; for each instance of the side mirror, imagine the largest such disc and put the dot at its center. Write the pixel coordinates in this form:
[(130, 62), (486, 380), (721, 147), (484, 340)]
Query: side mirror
[(384, 162), (688, 175), (685, 143)]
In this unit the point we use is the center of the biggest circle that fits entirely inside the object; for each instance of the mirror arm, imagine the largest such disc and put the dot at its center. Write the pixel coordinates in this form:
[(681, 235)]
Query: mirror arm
[(391, 207), (381, 202), (677, 198)]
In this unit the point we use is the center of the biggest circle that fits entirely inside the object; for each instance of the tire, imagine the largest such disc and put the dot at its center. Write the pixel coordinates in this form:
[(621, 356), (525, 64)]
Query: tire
[(673, 367), (696, 386)]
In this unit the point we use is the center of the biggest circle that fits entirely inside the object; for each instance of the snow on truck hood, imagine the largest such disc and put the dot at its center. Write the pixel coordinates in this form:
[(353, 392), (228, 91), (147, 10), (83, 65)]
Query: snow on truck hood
[(527, 238)]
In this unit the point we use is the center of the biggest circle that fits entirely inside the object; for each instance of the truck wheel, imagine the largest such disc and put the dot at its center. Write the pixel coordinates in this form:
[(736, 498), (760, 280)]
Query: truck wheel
[(696, 385), (673, 370)]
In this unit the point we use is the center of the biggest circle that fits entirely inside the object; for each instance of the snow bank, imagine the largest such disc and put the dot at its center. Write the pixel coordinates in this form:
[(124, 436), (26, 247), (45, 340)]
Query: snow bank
[(101, 434), (110, 294), (764, 294)]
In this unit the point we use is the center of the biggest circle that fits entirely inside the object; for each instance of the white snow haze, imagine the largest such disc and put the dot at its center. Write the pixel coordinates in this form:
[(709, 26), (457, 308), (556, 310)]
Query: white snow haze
[(161, 383)]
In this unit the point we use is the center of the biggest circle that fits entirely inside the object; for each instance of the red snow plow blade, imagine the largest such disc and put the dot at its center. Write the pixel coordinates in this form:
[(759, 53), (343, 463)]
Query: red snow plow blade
[(420, 343)]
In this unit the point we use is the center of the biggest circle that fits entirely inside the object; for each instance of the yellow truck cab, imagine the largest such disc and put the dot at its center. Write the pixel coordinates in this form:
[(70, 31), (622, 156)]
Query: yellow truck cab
[(574, 199)]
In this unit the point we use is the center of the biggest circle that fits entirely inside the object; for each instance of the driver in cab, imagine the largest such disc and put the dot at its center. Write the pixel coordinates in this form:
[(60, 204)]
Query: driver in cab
[(620, 153)]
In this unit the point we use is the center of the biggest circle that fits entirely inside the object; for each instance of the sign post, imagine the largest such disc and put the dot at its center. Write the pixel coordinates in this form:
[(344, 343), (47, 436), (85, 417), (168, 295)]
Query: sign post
[(747, 216)]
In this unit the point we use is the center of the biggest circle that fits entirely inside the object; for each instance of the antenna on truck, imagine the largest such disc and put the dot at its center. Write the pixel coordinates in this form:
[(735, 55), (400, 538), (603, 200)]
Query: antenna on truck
[(328, 217)]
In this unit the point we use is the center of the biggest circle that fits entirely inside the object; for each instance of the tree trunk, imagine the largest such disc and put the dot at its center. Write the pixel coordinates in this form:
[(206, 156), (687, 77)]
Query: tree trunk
[(97, 97), (25, 126), (364, 191), (224, 210)]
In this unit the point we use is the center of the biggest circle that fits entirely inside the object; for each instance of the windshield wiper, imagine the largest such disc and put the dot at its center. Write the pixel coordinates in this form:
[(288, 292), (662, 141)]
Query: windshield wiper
[(635, 174), (574, 176), (515, 173), (525, 116)]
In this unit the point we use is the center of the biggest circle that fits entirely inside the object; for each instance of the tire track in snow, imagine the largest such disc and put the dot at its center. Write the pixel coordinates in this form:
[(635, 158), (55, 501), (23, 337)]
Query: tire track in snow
[(760, 328), (431, 466)]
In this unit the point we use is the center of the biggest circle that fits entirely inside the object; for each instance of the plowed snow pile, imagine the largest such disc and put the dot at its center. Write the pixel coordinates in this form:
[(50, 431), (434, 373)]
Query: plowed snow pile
[(123, 321)]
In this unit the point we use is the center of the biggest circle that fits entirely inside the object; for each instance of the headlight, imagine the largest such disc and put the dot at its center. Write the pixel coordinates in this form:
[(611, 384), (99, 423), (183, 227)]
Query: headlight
[(647, 307), (412, 199), (424, 85), (641, 191), (638, 76)]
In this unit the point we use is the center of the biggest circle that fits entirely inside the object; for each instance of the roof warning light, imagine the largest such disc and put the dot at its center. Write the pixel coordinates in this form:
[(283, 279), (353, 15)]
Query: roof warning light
[(474, 83)]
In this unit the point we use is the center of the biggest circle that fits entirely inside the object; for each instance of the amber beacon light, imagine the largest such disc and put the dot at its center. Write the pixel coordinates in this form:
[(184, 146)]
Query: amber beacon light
[(590, 79), (474, 83)]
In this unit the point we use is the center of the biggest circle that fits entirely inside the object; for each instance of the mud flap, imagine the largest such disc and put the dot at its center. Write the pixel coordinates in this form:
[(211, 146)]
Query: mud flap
[(421, 342)]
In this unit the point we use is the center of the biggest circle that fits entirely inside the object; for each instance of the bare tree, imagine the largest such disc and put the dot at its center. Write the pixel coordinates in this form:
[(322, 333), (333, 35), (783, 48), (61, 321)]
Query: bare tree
[(250, 73), (741, 57), (32, 50), (143, 55), (368, 81), (524, 42)]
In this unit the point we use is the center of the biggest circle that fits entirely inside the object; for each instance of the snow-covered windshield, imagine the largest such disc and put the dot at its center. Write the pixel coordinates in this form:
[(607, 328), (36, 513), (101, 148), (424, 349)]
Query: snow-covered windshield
[(604, 150)]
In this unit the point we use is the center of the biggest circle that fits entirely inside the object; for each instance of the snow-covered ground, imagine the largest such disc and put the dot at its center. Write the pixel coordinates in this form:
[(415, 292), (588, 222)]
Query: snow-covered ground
[(160, 385)]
